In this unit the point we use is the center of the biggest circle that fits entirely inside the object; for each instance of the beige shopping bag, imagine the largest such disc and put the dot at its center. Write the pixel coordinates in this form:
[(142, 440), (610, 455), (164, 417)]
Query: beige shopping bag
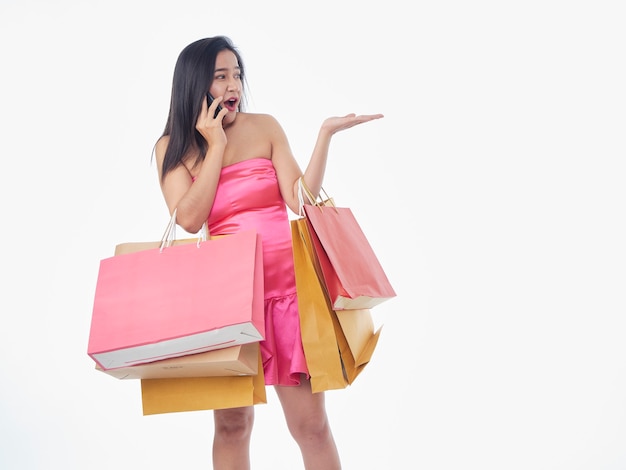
[(356, 339), (232, 361)]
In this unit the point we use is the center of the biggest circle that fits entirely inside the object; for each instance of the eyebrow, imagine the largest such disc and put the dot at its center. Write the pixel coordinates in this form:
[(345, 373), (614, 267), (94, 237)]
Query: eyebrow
[(225, 69)]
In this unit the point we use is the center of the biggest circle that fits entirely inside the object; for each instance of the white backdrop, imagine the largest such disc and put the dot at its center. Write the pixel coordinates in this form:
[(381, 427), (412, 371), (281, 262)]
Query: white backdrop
[(492, 192)]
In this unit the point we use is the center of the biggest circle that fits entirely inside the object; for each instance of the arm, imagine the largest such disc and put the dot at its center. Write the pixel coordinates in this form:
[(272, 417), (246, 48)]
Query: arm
[(193, 202), (286, 167)]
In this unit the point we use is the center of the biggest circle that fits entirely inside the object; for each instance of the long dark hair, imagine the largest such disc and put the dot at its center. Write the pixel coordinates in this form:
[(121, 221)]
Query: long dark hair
[(193, 76)]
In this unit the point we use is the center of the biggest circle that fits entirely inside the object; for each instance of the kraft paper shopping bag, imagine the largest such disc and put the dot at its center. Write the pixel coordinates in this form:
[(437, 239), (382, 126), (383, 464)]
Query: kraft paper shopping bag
[(187, 298), (316, 323), (203, 393)]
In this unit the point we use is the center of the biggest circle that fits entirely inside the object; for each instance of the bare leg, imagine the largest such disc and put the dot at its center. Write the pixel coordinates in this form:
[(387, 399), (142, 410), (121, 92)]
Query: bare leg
[(305, 413), (231, 442)]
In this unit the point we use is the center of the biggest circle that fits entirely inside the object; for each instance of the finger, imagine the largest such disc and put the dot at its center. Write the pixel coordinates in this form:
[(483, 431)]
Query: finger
[(214, 107)]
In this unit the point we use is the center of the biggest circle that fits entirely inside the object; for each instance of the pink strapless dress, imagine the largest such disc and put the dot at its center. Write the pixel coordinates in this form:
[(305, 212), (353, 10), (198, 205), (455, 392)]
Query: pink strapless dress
[(248, 197)]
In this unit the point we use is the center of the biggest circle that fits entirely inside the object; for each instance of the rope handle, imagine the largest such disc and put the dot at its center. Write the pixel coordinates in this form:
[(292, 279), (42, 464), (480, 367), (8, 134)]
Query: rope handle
[(319, 202), (170, 233)]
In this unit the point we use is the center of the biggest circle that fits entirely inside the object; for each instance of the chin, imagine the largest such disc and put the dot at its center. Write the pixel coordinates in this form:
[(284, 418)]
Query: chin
[(230, 117)]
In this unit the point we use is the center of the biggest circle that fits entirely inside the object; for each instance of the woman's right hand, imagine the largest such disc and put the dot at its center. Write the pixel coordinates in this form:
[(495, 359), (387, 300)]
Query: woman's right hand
[(209, 126)]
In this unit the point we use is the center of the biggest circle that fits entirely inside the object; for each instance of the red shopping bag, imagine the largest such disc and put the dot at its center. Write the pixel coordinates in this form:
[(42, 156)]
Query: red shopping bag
[(187, 298), (353, 276)]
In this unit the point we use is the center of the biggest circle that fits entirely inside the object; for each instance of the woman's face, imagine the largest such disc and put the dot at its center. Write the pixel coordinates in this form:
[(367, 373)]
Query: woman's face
[(227, 83)]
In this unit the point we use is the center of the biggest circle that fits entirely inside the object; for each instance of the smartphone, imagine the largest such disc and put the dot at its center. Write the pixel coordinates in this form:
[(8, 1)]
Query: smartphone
[(209, 100)]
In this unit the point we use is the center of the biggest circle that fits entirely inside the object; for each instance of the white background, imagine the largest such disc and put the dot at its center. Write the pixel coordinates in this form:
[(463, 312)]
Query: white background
[(492, 191)]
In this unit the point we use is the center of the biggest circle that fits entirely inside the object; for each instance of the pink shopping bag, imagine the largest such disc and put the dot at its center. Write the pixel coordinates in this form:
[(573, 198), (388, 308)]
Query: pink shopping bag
[(187, 298)]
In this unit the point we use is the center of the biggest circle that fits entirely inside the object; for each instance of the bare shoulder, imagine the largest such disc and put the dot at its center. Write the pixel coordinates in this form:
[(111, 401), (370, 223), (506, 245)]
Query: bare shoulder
[(161, 147)]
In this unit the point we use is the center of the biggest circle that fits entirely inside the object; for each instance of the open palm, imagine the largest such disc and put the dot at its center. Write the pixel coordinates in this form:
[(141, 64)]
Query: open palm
[(340, 123)]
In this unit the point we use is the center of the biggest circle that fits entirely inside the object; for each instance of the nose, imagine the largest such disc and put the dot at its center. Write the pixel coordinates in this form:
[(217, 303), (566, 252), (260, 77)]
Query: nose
[(233, 84)]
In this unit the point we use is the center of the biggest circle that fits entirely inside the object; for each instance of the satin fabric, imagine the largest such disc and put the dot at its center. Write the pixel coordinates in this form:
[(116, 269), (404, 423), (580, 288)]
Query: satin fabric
[(248, 197)]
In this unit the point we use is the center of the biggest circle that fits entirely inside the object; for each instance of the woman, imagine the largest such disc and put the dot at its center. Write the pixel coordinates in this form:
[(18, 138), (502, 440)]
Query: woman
[(237, 171)]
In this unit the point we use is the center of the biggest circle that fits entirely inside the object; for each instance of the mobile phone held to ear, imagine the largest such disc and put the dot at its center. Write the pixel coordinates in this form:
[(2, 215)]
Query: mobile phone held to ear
[(209, 100)]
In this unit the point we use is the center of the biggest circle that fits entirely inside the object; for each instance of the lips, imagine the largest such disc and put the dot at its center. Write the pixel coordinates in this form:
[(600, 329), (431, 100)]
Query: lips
[(230, 104)]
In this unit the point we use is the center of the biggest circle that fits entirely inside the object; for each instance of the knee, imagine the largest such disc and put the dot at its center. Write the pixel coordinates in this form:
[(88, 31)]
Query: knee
[(234, 424), (313, 427)]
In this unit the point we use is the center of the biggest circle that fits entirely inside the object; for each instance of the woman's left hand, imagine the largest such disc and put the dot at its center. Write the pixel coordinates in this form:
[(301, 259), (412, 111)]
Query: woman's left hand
[(340, 123)]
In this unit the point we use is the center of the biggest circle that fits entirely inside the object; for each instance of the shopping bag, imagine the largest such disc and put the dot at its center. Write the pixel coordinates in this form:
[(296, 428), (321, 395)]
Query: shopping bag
[(337, 344), (203, 393), (356, 339), (352, 273), (232, 361), (319, 339), (177, 299)]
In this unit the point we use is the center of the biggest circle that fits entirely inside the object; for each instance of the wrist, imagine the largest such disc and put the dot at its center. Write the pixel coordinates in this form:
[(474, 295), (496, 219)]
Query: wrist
[(325, 133), (216, 149)]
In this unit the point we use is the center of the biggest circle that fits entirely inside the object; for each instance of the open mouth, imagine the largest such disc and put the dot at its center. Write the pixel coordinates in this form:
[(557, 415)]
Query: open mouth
[(230, 104)]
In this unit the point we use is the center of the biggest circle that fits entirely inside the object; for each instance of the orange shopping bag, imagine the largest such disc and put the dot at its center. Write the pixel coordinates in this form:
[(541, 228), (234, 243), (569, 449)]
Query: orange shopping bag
[(316, 317)]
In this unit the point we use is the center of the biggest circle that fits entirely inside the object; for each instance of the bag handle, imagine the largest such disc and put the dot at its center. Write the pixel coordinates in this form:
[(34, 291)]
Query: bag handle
[(319, 202), (170, 233)]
